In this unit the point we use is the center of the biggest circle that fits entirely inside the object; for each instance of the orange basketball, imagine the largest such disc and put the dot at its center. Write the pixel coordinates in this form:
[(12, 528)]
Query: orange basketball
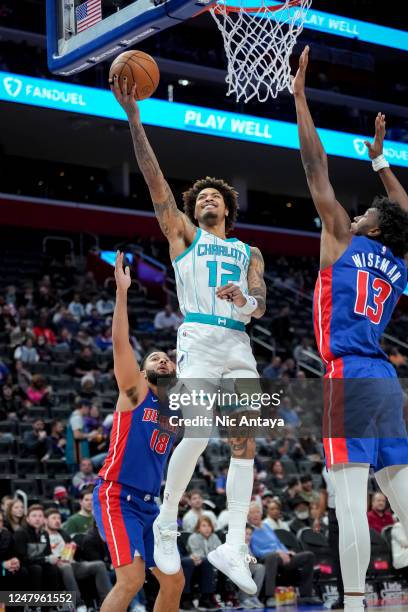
[(139, 68)]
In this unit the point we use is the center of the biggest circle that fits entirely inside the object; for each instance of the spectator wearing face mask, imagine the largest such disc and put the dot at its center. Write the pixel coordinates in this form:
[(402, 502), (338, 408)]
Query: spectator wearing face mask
[(270, 551), (302, 518)]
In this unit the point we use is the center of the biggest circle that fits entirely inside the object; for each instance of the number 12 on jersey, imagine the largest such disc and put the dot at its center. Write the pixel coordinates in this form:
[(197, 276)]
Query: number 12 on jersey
[(232, 273), (382, 291)]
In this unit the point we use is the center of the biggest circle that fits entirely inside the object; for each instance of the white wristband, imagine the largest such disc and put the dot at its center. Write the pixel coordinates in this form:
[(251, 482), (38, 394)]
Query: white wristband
[(250, 306), (379, 163)]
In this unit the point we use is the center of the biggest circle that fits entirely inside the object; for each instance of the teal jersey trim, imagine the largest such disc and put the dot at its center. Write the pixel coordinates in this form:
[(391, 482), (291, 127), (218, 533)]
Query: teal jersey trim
[(214, 288), (194, 280), (188, 249), (248, 250), (196, 317)]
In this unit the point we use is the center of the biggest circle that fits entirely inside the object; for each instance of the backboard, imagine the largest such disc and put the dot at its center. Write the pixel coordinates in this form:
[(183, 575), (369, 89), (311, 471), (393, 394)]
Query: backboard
[(82, 33)]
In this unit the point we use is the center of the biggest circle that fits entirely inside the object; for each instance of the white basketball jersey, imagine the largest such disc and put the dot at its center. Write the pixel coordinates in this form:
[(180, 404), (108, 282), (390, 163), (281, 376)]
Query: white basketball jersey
[(208, 263)]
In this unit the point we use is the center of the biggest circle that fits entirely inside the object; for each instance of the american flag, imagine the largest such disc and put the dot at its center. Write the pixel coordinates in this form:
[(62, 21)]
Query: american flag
[(87, 14)]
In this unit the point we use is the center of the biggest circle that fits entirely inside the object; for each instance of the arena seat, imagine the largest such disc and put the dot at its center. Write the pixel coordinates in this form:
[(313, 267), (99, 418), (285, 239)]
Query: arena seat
[(54, 467), (289, 466), (48, 485), (28, 467), (6, 468), (318, 544), (386, 534), (289, 540), (380, 558), (30, 487)]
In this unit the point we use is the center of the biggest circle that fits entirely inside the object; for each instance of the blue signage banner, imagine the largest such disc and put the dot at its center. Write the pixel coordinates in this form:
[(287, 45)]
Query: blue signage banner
[(43, 93), (345, 26)]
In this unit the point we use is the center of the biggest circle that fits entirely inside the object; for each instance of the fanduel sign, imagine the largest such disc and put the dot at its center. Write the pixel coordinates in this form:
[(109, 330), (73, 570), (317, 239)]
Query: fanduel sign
[(101, 103)]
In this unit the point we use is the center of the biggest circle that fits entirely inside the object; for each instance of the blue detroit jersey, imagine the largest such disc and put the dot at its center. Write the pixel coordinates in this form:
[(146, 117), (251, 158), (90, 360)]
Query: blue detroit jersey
[(140, 444), (354, 299)]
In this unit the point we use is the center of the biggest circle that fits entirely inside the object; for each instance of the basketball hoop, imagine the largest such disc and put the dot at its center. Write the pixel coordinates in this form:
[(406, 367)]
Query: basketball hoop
[(258, 43)]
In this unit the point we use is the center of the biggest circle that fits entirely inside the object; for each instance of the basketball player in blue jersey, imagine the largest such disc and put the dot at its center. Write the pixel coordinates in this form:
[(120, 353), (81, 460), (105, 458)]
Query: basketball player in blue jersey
[(123, 501), (220, 287), (362, 275)]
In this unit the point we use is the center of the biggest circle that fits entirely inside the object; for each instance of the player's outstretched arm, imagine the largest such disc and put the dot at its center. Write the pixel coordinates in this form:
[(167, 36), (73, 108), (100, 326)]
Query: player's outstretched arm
[(174, 224), (334, 218), (393, 187), (127, 372)]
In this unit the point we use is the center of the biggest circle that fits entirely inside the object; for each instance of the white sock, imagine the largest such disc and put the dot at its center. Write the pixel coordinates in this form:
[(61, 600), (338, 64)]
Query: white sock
[(240, 482), (354, 602), (179, 473), (350, 483), (393, 483)]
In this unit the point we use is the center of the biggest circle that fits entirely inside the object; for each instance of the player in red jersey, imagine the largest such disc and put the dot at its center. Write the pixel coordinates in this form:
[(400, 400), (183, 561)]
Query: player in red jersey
[(124, 498), (362, 275)]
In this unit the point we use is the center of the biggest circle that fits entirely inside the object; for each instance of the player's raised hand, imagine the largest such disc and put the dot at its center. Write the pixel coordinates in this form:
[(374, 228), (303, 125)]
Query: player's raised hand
[(375, 149), (231, 293), (122, 276), (298, 82), (125, 97)]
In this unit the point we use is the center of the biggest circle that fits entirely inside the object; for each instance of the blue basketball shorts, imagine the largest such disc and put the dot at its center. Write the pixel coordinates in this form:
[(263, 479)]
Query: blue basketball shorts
[(363, 418), (124, 517)]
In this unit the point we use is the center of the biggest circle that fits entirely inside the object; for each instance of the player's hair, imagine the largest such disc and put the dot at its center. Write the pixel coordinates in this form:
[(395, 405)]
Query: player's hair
[(229, 194), (201, 520), (393, 223), (147, 355)]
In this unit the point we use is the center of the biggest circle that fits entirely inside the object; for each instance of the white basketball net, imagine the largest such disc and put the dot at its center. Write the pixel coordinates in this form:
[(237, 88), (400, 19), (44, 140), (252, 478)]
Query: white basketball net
[(258, 45)]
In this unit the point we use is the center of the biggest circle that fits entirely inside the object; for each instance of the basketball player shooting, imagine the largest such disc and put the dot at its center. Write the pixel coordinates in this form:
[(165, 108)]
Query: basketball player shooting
[(130, 479), (220, 287), (362, 275)]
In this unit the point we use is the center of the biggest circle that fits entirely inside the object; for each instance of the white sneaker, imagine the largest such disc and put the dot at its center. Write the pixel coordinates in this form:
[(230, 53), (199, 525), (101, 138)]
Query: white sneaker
[(82, 609), (166, 554), (234, 563)]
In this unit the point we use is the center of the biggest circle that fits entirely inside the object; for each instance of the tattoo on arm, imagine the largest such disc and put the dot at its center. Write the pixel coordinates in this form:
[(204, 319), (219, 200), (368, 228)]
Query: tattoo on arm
[(146, 159), (164, 204), (256, 283)]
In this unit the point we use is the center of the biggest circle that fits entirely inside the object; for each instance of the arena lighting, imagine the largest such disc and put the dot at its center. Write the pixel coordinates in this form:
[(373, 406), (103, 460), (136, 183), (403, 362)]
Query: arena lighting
[(69, 97)]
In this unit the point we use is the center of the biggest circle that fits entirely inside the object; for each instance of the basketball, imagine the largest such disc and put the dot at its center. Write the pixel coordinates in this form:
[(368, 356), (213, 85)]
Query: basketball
[(136, 67)]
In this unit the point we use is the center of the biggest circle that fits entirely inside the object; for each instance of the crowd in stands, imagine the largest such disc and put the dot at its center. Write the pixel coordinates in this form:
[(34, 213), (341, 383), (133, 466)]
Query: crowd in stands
[(56, 403)]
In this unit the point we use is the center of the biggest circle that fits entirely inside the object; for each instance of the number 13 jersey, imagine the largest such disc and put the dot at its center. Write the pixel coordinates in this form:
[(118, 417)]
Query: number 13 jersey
[(354, 299), (208, 263)]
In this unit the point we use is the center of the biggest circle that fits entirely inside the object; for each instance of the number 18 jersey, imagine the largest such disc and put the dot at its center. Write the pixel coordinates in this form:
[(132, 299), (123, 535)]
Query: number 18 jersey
[(208, 263), (354, 299)]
